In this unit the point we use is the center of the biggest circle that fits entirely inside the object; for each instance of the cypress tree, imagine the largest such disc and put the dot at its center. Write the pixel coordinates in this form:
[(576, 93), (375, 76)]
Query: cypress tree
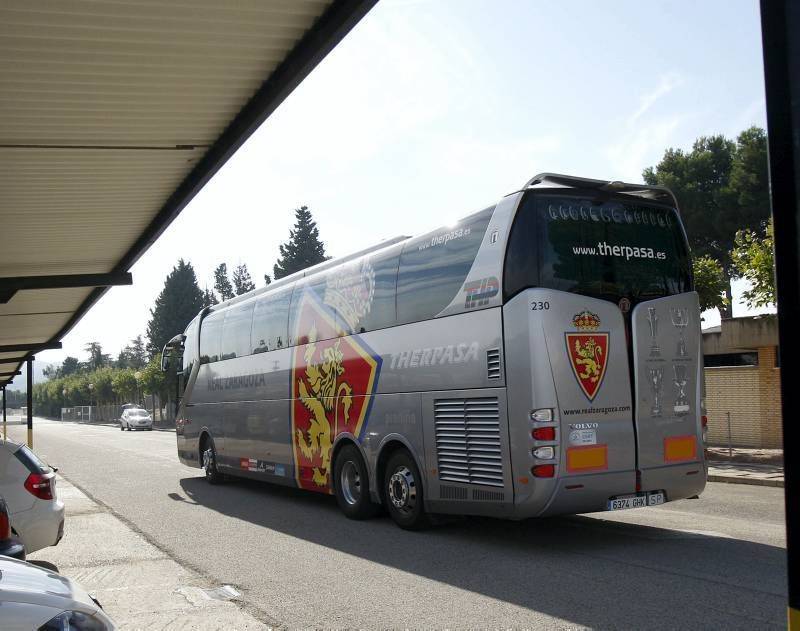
[(303, 249), (242, 283), (176, 305), (221, 282)]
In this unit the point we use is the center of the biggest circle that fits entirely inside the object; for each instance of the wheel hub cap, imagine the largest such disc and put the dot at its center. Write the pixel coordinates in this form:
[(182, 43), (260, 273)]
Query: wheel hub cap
[(350, 483), (402, 489)]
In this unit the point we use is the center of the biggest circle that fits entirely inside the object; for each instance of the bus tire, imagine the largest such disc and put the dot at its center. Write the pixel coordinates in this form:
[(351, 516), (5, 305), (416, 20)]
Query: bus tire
[(351, 484), (213, 476), (402, 492)]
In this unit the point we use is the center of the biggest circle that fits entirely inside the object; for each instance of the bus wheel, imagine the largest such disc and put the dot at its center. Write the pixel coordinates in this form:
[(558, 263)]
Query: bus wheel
[(213, 476), (403, 492), (351, 484)]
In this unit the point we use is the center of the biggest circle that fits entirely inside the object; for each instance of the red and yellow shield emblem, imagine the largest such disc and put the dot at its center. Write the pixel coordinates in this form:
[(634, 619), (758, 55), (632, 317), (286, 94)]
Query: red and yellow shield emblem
[(333, 380), (587, 350)]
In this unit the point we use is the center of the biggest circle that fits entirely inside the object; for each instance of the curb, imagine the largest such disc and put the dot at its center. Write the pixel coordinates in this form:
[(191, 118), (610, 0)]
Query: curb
[(750, 481)]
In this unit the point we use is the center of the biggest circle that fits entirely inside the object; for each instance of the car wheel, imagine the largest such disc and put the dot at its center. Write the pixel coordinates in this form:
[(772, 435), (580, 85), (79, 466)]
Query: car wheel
[(351, 484), (402, 492), (213, 476)]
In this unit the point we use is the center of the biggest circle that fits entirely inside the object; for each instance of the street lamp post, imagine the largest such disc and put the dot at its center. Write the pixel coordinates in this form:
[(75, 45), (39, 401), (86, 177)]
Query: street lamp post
[(63, 402), (138, 376), (91, 392)]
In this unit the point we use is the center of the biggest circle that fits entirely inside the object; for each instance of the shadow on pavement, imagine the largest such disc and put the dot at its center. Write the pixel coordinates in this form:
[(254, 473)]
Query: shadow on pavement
[(587, 570)]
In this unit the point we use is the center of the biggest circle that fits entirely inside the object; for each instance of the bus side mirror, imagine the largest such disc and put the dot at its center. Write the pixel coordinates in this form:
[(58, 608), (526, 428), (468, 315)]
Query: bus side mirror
[(176, 343), (164, 360)]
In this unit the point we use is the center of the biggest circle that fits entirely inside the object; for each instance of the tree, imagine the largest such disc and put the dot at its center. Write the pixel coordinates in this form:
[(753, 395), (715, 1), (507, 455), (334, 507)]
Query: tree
[(242, 283), (179, 301), (303, 249), (124, 384), (134, 355), (69, 366), (209, 298), (709, 282), (221, 282), (722, 187), (97, 358), (267, 280), (754, 258)]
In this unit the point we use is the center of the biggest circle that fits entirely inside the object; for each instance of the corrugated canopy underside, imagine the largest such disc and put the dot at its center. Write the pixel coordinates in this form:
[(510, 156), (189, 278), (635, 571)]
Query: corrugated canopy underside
[(113, 115)]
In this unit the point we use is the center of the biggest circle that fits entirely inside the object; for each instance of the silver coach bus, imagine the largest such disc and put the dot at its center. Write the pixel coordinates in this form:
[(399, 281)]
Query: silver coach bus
[(541, 357)]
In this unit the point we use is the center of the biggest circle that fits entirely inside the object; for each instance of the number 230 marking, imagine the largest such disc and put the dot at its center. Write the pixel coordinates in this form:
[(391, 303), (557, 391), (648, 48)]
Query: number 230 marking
[(540, 305)]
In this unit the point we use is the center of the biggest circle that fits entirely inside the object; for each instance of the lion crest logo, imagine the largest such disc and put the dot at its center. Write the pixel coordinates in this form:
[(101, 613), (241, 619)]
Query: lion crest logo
[(587, 349), (333, 380)]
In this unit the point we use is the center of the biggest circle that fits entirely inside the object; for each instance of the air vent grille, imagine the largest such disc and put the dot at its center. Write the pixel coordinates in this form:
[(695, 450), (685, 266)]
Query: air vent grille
[(483, 495), (452, 492), (468, 440), (493, 363)]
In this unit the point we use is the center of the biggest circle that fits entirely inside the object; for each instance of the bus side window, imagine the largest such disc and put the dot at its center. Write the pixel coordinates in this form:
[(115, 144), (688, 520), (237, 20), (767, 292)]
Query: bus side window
[(381, 312), (270, 320), (312, 288), (210, 337), (433, 267), (236, 331), (190, 347)]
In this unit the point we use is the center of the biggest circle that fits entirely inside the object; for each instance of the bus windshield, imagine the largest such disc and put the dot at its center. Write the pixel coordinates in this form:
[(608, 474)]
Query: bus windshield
[(605, 248)]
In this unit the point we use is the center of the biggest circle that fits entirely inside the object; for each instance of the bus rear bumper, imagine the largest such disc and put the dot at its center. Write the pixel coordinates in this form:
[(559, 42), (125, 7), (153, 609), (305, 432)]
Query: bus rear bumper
[(590, 493)]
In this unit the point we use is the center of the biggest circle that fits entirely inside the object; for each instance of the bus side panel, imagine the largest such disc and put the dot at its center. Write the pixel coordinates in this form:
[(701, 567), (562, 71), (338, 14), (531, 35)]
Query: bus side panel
[(244, 405), (467, 452)]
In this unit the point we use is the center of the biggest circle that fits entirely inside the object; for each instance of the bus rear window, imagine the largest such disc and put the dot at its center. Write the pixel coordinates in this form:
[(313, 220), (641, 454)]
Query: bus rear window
[(603, 248)]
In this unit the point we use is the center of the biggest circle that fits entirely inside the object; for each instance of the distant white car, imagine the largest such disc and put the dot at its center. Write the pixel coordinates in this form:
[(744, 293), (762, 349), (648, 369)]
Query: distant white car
[(135, 418), (28, 486), (32, 597)]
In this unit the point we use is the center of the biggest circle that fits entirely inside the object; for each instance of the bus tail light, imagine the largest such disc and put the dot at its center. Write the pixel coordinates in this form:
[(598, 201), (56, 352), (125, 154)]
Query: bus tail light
[(544, 433), (543, 415), (544, 453), (544, 471)]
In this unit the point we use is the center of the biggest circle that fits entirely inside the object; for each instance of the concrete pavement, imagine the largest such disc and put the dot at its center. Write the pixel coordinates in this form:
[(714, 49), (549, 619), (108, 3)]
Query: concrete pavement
[(139, 585)]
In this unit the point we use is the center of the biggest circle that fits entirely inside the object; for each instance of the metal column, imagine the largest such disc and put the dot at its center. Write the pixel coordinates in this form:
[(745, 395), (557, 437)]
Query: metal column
[(5, 433), (30, 402), (780, 23)]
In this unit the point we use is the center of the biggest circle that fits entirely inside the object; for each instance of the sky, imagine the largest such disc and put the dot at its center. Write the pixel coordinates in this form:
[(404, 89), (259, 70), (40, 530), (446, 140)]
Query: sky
[(431, 109)]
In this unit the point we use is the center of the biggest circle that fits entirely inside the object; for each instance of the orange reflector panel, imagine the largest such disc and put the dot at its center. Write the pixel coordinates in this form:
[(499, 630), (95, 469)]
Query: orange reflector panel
[(680, 448), (588, 458)]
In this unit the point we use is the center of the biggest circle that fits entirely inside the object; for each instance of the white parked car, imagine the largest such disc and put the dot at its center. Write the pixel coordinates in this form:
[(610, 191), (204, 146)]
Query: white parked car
[(32, 597), (28, 486), (135, 418)]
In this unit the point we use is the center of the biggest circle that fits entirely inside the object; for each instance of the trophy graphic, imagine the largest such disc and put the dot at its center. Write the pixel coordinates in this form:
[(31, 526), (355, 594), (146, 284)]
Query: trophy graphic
[(652, 319), (680, 320), (656, 390), (681, 402)]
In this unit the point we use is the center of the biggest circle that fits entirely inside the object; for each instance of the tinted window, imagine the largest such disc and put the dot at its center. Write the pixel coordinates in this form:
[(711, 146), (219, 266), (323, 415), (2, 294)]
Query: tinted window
[(362, 293), (210, 334), (299, 328), (433, 267), (602, 247), (31, 460), (236, 331), (190, 347), (731, 359), (270, 320)]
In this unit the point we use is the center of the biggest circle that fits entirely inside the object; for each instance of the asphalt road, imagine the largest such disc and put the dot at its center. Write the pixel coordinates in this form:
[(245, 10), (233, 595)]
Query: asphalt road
[(713, 563)]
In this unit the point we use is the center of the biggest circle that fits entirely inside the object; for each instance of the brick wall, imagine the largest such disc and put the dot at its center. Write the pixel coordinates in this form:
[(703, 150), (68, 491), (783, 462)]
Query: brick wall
[(752, 396)]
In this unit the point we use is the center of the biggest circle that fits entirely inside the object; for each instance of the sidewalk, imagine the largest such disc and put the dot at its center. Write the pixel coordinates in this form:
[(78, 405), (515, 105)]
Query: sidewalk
[(761, 467), (138, 584)]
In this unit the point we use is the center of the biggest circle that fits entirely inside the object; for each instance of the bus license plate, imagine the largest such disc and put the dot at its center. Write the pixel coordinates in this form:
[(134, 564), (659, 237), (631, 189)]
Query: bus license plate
[(635, 501)]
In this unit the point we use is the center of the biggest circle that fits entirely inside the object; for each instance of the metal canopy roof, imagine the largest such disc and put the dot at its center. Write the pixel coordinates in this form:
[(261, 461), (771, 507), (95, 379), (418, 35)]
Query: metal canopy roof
[(113, 115)]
